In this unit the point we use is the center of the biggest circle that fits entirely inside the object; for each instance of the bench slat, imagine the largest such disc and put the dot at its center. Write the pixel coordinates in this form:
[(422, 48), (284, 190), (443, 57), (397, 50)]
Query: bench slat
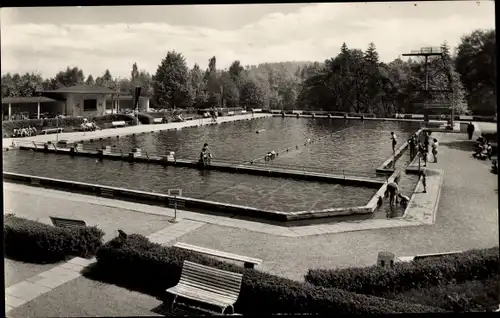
[(212, 284), (199, 296), (214, 293), (218, 253), (203, 270), (209, 285)]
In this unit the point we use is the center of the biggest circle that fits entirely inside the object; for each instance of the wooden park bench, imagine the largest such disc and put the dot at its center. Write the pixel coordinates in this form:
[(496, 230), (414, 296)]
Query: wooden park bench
[(67, 223), (52, 131), (207, 285), (158, 120), (247, 261), (423, 256), (116, 124)]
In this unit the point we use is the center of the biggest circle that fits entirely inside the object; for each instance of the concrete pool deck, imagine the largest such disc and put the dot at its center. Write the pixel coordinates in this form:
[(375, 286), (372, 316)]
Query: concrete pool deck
[(113, 132)]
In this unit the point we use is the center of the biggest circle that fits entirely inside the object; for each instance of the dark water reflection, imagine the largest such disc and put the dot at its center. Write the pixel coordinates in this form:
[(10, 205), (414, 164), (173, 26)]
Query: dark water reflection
[(352, 145)]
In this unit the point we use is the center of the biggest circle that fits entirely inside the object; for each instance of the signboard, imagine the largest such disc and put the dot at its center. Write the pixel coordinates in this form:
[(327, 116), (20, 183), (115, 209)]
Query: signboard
[(175, 192)]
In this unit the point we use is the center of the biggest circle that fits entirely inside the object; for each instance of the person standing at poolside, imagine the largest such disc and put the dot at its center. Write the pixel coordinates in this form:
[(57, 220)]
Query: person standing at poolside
[(470, 130), (394, 141), (435, 149), (422, 176)]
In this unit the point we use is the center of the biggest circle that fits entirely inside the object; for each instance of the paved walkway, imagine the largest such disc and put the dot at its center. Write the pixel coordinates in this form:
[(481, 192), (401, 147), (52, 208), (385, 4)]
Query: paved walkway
[(113, 132)]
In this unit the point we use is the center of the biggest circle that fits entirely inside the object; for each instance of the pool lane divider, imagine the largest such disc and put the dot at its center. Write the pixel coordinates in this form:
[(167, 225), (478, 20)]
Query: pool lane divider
[(137, 156), (193, 204)]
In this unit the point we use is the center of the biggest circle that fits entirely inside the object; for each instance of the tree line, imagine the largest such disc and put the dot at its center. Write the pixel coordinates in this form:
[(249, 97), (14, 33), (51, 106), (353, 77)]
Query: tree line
[(353, 81)]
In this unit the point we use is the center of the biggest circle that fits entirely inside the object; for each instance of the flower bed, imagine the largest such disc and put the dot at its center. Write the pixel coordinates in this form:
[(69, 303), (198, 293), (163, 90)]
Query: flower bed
[(435, 271), (32, 241), (138, 264)]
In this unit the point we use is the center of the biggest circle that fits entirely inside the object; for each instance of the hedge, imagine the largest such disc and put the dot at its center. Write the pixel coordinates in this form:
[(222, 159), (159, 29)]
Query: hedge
[(476, 295), (36, 242), (373, 280), (138, 264)]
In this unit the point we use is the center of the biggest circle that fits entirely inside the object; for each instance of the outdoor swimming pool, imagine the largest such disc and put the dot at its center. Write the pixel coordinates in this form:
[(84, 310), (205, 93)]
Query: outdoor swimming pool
[(359, 147)]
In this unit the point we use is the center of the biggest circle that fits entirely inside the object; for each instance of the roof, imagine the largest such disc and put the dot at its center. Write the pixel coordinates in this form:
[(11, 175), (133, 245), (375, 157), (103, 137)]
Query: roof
[(129, 97), (84, 89), (26, 100)]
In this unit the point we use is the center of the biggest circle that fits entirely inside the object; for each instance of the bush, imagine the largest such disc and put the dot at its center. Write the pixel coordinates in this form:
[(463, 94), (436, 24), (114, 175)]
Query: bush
[(477, 295), (32, 241), (146, 119), (373, 280), (152, 268)]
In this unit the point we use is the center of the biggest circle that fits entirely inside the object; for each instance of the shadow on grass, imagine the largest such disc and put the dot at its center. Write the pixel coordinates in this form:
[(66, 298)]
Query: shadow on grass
[(94, 272)]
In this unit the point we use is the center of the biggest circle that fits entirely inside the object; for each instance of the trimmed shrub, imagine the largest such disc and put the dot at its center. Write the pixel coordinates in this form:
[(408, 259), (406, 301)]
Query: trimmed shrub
[(477, 295), (36, 242), (146, 119), (139, 264), (434, 271)]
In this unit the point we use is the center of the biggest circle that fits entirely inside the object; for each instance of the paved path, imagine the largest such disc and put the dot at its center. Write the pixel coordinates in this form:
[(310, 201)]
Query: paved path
[(113, 132)]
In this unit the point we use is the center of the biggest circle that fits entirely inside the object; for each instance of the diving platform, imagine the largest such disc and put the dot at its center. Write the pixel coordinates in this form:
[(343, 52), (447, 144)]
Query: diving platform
[(231, 167)]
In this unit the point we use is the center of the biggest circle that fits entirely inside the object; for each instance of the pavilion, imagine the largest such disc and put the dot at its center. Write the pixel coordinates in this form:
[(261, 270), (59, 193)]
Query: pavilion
[(78, 100)]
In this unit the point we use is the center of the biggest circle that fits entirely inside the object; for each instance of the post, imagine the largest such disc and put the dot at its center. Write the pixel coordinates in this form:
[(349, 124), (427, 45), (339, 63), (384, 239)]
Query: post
[(10, 111), (38, 111), (175, 207), (57, 127)]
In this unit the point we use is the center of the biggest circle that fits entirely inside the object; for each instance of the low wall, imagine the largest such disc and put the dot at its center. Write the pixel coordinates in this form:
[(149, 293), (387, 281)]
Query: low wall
[(159, 199), (219, 166)]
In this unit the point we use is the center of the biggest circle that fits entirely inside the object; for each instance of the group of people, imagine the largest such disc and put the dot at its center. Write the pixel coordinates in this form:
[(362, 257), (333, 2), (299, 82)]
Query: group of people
[(24, 132), (417, 147), (483, 148), (392, 190), (270, 155)]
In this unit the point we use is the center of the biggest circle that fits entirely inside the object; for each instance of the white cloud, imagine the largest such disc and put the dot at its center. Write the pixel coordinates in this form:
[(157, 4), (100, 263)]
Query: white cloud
[(313, 32)]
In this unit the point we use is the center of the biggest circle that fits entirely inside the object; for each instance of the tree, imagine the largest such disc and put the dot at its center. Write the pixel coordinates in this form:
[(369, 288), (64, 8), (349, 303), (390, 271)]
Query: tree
[(197, 87), (230, 91), (69, 77), (135, 72), (90, 80), (214, 89), (476, 64), (106, 80), (171, 82), (236, 72), (251, 95)]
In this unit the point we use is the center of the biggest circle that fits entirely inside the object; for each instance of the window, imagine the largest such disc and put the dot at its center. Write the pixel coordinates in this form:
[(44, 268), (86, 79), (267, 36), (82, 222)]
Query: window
[(89, 104)]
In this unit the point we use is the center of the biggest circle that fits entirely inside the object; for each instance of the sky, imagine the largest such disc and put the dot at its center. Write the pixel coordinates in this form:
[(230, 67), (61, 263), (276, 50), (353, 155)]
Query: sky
[(47, 40)]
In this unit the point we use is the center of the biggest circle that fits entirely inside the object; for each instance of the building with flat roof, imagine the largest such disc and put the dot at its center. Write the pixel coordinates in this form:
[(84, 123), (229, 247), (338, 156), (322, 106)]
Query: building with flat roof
[(78, 100)]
